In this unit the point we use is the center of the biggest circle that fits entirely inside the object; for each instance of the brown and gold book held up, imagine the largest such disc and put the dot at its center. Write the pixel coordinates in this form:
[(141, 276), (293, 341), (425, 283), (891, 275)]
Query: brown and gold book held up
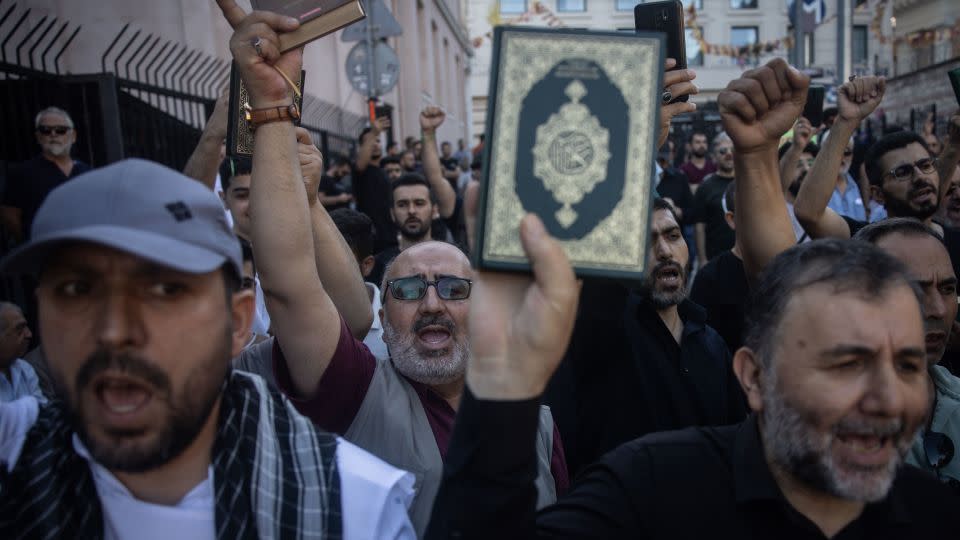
[(317, 17)]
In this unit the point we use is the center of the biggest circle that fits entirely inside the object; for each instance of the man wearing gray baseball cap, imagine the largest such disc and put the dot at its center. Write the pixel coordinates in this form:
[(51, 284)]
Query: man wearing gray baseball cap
[(151, 433)]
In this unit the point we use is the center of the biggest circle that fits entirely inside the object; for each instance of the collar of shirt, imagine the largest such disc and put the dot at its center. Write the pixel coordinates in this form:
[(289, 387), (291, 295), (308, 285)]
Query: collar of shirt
[(108, 486), (754, 481), (375, 304), (693, 316)]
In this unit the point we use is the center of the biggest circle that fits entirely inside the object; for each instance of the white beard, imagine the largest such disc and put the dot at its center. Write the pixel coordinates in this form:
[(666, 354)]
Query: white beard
[(440, 367)]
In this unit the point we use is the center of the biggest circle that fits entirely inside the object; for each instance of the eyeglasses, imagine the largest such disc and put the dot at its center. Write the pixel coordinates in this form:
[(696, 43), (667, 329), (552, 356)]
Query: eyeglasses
[(247, 283), (724, 150), (906, 171), (415, 288), (848, 152), (47, 130), (938, 449)]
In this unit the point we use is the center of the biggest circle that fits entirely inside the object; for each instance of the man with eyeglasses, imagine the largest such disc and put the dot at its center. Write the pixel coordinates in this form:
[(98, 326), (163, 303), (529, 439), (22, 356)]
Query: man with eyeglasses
[(846, 198), (712, 233), (902, 172), (402, 409), (29, 183)]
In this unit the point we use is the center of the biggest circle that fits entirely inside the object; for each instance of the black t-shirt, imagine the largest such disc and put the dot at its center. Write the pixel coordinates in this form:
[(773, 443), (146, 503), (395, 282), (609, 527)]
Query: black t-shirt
[(381, 260), (371, 189), (674, 184), (450, 163), (708, 209), (721, 288), (331, 187), (30, 182)]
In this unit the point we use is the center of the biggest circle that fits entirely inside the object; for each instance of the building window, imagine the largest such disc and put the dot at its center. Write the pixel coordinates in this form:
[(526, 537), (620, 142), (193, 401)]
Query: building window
[(743, 4), (626, 5), (697, 4), (742, 36), (571, 5), (513, 6), (860, 54), (694, 52)]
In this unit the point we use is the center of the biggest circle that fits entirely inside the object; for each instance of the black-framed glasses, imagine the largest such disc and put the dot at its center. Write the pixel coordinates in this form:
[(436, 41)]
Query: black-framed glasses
[(415, 288), (847, 153), (724, 150), (906, 171), (47, 130), (938, 449)]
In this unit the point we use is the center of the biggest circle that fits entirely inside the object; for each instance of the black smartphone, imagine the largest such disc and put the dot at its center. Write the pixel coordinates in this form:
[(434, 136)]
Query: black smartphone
[(666, 17), (954, 75), (813, 110)]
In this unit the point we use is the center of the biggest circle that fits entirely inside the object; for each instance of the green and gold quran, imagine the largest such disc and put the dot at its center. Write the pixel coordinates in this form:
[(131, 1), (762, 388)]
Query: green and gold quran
[(571, 134)]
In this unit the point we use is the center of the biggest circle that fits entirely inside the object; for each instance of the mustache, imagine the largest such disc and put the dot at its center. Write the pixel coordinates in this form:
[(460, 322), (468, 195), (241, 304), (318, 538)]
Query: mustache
[(434, 320), (919, 186), (877, 428), (665, 265), (103, 360)]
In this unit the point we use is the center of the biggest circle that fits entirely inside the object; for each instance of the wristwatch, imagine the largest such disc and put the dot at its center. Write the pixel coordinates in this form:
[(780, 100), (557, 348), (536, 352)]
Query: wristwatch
[(284, 113)]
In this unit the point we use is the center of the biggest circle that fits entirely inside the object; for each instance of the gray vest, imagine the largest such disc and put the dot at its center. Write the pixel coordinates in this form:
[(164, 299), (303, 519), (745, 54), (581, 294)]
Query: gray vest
[(393, 426)]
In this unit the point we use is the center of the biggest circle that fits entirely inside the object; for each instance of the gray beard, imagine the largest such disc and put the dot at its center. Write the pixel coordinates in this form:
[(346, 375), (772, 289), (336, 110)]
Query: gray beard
[(792, 441), (57, 150), (437, 367)]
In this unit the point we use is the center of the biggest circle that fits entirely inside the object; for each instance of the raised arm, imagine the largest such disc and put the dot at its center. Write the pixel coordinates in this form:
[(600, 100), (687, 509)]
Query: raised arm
[(205, 159), (370, 140), (855, 101), (802, 131), (757, 109), (947, 163), (305, 319), (334, 260), (430, 119)]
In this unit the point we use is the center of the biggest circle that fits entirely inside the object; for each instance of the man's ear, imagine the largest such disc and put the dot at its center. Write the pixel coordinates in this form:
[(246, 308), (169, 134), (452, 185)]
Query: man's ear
[(747, 368), (242, 307), (366, 266)]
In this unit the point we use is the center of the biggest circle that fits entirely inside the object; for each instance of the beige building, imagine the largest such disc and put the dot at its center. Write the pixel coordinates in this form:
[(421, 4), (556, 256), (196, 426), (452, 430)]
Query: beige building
[(720, 23), (434, 54)]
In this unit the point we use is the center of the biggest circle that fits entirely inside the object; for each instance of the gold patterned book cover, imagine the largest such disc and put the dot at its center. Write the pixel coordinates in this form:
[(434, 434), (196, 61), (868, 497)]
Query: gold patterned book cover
[(571, 136), (239, 136)]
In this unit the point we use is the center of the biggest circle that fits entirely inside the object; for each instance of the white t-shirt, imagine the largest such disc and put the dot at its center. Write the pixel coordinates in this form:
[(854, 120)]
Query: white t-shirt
[(374, 338), (374, 496)]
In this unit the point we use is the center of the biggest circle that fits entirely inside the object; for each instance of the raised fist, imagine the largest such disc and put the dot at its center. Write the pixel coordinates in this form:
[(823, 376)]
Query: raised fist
[(431, 118), (311, 164), (858, 98), (802, 132), (381, 124), (760, 106)]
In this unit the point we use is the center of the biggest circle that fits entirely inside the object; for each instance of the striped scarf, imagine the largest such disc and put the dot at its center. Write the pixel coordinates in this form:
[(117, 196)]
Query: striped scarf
[(274, 474)]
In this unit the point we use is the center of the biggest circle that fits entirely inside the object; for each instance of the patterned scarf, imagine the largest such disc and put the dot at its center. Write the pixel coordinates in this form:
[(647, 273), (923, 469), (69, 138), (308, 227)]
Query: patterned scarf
[(274, 474)]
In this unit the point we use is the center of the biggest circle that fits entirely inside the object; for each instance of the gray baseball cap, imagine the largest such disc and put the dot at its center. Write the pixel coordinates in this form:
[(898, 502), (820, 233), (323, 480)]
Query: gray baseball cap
[(138, 207)]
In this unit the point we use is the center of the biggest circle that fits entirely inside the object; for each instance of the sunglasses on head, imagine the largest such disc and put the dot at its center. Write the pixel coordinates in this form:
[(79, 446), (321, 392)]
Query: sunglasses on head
[(47, 130), (415, 288)]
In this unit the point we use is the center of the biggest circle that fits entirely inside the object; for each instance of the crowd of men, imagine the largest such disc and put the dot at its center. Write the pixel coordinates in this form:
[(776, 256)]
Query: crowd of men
[(292, 345)]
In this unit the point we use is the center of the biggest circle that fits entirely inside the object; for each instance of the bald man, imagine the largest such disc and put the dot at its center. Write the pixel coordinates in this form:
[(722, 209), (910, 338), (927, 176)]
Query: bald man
[(402, 409)]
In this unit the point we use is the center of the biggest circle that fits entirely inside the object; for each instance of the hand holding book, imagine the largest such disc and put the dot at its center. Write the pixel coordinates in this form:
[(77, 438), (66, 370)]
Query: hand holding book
[(261, 67)]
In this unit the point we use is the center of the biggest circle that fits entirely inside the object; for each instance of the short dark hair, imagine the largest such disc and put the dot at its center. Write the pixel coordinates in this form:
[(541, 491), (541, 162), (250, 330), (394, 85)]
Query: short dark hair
[(234, 166), (847, 265), (247, 251), (363, 133), (661, 204), (336, 159), (888, 143), (810, 148), (357, 230), (873, 232), (698, 132), (388, 160), (412, 179)]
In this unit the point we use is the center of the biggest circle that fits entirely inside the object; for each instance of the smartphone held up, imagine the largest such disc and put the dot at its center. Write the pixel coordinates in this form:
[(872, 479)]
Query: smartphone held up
[(667, 18)]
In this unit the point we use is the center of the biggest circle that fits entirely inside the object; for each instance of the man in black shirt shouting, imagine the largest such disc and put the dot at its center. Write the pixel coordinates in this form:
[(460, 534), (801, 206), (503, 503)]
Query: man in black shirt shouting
[(834, 369)]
